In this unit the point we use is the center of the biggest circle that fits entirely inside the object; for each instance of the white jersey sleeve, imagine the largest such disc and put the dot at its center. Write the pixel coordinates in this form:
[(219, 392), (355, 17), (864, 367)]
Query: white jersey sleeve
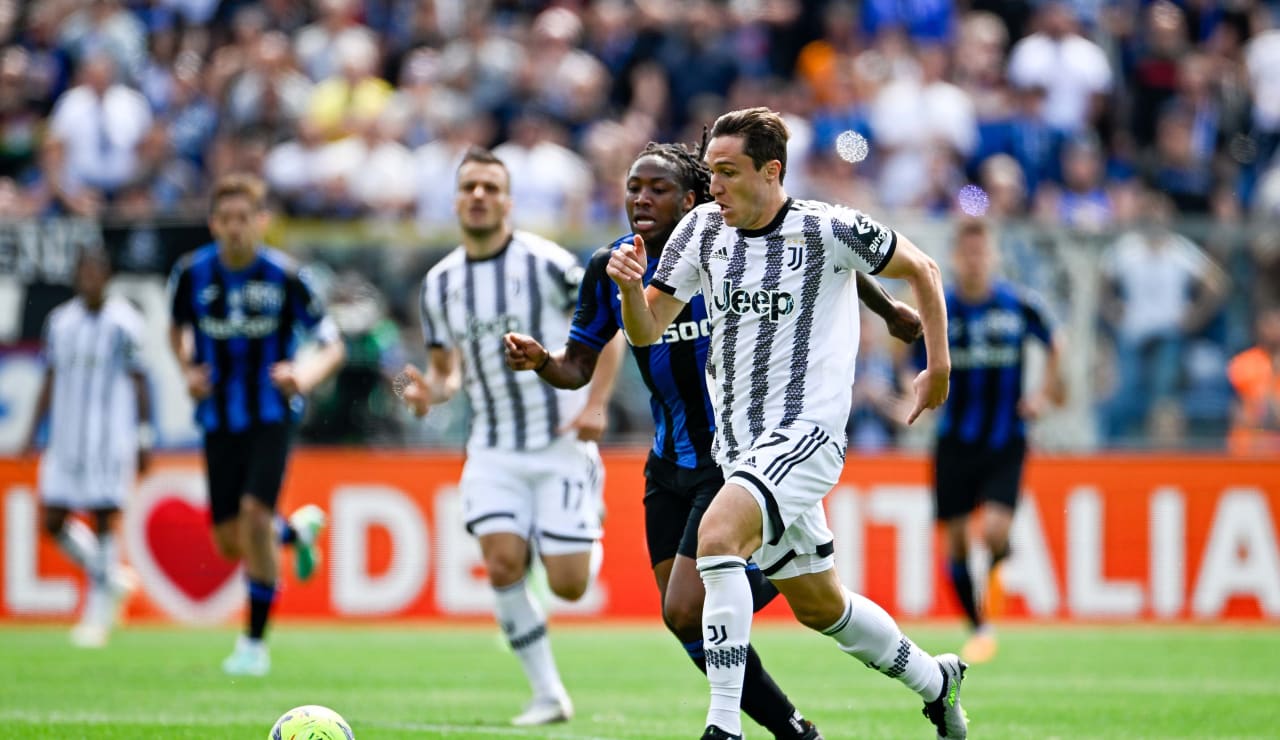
[(860, 242), (433, 305), (679, 274)]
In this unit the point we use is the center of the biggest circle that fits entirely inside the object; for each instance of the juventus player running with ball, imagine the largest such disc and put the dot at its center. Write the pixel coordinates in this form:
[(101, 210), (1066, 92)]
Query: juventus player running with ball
[(777, 275), (95, 391), (665, 182), (533, 473)]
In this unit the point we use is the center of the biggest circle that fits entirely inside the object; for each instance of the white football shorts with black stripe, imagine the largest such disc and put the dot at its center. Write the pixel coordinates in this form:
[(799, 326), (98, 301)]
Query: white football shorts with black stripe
[(789, 472), (553, 495)]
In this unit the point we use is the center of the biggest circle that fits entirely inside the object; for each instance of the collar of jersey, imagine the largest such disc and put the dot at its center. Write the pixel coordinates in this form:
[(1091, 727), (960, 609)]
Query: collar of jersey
[(772, 225), (501, 251)]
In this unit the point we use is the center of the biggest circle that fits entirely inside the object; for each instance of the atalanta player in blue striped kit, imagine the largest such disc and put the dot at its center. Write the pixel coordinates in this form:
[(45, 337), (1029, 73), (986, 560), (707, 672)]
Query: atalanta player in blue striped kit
[(981, 432), (664, 183), (237, 309)]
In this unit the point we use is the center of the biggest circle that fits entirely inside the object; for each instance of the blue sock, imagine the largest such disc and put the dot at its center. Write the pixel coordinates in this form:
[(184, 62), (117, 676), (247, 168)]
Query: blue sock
[(261, 597), (285, 531)]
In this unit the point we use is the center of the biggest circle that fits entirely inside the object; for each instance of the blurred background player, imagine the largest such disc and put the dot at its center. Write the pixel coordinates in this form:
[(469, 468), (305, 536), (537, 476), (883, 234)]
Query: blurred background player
[(237, 309), (982, 440), (533, 478), (784, 338), (665, 182), (100, 436)]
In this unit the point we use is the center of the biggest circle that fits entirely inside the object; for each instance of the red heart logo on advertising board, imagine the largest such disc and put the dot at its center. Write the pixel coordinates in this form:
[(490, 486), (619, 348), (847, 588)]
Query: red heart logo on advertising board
[(167, 533), (179, 539)]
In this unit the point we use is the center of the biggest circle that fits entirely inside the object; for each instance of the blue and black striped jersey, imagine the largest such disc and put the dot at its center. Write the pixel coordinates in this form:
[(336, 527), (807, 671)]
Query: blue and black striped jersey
[(245, 321), (987, 342), (672, 368)]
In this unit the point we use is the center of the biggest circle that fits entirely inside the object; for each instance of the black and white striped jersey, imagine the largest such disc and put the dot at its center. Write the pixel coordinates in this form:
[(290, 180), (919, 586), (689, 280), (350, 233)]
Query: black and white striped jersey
[(530, 287), (784, 313), (93, 414)]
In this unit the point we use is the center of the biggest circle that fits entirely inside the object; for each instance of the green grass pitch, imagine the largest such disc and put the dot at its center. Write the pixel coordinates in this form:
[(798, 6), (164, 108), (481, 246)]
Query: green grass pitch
[(632, 682)]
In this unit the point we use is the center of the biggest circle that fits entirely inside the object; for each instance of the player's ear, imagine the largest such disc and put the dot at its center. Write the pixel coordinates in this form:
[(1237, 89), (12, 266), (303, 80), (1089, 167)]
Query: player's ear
[(689, 200), (771, 169)]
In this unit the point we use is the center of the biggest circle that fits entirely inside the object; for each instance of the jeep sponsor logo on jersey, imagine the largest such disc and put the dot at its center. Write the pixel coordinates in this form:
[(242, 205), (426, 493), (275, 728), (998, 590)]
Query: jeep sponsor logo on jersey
[(769, 304)]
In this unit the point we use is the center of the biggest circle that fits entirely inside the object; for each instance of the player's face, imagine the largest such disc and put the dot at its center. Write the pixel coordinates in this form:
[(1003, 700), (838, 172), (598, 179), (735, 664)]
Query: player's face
[(91, 280), (482, 201), (237, 223), (973, 260), (655, 201), (739, 188)]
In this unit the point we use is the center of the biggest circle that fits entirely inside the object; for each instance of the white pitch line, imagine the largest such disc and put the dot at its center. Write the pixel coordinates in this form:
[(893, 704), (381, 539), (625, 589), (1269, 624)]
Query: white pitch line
[(27, 716)]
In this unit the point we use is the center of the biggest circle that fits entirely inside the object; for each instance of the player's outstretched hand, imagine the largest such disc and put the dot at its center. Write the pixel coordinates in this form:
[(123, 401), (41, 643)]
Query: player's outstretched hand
[(523, 351), (199, 381), (590, 424), (285, 378), (627, 264), (412, 387), (932, 387), (905, 324)]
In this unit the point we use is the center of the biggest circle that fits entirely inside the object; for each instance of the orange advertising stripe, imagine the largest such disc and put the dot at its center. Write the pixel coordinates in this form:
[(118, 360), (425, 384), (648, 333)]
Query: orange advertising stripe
[(1096, 538)]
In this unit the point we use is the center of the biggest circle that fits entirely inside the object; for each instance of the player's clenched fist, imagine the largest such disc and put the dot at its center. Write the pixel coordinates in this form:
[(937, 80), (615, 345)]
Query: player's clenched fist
[(627, 264), (524, 352)]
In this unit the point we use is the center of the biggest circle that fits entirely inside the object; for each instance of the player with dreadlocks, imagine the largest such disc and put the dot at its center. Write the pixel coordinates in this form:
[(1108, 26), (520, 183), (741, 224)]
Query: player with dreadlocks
[(681, 477)]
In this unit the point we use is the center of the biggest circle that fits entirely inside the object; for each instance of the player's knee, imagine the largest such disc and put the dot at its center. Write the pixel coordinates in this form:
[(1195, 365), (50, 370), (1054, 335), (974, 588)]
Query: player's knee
[(817, 615), (54, 520), (719, 538), (570, 588), (684, 619), (228, 546), (504, 569)]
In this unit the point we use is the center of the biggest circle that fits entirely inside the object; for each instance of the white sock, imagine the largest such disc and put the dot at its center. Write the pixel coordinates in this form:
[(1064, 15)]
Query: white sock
[(869, 634), (108, 555), (80, 544), (525, 626), (726, 630), (597, 560)]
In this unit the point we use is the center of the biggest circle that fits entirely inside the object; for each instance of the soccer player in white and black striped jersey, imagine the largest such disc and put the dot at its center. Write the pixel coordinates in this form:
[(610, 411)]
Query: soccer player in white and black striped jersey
[(95, 394), (777, 275), (533, 475)]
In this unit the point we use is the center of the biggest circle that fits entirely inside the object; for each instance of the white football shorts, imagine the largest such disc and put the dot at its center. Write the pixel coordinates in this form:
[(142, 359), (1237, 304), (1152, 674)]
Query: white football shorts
[(553, 495), (789, 472), (86, 488)]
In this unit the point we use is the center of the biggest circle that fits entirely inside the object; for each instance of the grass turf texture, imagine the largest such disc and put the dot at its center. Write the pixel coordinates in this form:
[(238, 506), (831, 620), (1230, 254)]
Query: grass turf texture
[(631, 682)]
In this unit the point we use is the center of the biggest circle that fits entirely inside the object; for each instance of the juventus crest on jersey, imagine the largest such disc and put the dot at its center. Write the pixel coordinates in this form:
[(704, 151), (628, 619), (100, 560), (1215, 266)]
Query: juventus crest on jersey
[(527, 287), (93, 414), (784, 315)]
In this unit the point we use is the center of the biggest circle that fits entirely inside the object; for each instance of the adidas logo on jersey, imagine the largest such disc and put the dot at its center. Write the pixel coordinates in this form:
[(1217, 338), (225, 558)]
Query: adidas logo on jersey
[(720, 254)]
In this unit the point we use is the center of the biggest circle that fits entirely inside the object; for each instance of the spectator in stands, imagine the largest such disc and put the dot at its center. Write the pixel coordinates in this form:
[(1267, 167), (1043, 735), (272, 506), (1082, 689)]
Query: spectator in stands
[(1160, 289), (1071, 68), (270, 90), (911, 119), (320, 46), (1082, 202), (105, 26), (339, 103), (1255, 377), (550, 183), (20, 117), (100, 123)]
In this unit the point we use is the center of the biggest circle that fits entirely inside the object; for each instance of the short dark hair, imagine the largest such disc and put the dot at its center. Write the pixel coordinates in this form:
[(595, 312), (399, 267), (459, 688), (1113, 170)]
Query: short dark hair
[(691, 171), (481, 155), (239, 184), (764, 135), (972, 227)]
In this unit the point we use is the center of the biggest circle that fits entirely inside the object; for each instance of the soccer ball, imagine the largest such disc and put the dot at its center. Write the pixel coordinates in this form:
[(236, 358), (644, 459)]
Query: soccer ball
[(311, 722)]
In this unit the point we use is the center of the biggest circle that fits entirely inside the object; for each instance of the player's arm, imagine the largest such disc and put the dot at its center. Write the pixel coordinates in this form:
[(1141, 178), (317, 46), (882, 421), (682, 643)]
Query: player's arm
[(646, 312), (43, 399), (441, 382), (181, 328), (922, 274), (1053, 390), (318, 366), (902, 320), (570, 368), (591, 423)]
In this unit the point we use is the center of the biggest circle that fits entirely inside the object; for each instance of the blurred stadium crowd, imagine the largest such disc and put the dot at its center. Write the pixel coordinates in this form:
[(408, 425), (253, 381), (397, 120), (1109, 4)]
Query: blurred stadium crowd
[(1146, 133)]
